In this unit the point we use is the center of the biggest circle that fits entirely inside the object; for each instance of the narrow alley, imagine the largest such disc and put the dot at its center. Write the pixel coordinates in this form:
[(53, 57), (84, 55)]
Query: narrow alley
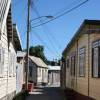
[(49, 50), (47, 93)]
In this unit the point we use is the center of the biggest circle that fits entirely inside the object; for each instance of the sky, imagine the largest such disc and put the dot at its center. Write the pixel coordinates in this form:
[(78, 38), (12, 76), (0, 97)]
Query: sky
[(54, 36)]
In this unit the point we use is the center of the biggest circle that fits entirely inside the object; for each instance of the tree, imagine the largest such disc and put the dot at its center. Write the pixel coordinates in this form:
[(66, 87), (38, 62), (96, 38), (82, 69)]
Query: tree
[(38, 51)]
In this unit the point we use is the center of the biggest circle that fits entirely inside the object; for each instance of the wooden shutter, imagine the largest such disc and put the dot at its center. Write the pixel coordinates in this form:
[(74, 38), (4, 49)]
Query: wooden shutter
[(82, 62), (14, 64), (67, 63), (73, 65), (30, 71), (3, 59), (10, 64), (2, 52), (95, 61)]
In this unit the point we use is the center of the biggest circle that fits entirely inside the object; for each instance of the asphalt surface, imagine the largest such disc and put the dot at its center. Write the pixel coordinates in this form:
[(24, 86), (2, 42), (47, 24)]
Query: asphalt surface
[(47, 93)]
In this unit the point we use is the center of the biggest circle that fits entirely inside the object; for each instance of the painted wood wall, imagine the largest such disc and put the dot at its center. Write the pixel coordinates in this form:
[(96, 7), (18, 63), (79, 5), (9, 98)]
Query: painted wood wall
[(7, 83), (84, 85), (39, 74)]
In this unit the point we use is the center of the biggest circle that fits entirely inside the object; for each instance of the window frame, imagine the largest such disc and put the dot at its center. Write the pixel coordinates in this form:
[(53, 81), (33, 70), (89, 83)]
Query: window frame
[(73, 65), (67, 62), (14, 65), (30, 71), (84, 63), (96, 44), (2, 62), (10, 64)]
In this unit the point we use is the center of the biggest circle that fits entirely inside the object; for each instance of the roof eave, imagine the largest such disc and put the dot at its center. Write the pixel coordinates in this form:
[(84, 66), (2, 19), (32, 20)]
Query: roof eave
[(86, 21)]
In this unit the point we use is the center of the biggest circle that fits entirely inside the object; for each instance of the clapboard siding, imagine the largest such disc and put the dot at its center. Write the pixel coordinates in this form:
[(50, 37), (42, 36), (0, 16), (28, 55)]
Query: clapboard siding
[(7, 84), (3, 83), (86, 85)]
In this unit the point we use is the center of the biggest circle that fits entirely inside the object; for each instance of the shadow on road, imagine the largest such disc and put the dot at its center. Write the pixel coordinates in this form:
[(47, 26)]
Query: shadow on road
[(47, 93)]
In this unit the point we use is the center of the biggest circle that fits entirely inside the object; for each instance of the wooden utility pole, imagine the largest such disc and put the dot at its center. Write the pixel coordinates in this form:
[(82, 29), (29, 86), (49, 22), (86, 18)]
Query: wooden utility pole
[(27, 55)]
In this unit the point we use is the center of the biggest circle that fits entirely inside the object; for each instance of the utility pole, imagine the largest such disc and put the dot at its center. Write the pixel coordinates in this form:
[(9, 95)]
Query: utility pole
[(27, 55)]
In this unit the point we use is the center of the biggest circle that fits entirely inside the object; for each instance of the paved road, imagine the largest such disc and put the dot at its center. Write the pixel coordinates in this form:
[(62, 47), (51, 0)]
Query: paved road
[(47, 93)]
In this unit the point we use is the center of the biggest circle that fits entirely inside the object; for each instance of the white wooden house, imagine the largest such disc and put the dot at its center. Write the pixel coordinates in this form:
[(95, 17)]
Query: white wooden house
[(54, 75), (20, 70), (38, 71), (7, 52)]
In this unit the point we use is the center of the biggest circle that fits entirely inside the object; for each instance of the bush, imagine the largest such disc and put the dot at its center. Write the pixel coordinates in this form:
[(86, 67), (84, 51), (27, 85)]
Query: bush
[(21, 96)]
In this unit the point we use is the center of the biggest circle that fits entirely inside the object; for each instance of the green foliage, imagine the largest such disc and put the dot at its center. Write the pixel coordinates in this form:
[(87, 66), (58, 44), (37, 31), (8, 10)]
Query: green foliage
[(38, 51), (21, 96)]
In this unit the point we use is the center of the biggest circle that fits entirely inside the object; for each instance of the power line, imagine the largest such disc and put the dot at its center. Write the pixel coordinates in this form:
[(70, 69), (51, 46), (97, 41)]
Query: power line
[(39, 38), (33, 2), (53, 37), (68, 11), (51, 42), (67, 7), (44, 28), (23, 12)]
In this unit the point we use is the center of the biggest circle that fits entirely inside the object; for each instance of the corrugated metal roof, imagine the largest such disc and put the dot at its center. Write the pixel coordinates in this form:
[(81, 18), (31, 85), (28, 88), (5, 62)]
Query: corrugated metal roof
[(54, 67), (21, 54), (38, 61)]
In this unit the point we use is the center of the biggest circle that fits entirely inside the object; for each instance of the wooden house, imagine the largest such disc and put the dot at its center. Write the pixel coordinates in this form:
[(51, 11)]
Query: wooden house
[(80, 72), (7, 52), (20, 60), (54, 75), (38, 71), (20, 70)]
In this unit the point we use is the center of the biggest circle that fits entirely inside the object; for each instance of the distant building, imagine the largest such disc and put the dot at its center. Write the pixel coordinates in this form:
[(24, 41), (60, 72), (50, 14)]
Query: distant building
[(54, 75), (38, 71), (81, 65), (20, 71)]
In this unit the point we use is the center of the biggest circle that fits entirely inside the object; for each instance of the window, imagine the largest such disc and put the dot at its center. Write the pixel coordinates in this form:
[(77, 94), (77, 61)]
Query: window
[(39, 72), (3, 56), (3, 6), (10, 64), (67, 63), (73, 65), (14, 64), (82, 62), (30, 71), (2, 53), (0, 61), (96, 59)]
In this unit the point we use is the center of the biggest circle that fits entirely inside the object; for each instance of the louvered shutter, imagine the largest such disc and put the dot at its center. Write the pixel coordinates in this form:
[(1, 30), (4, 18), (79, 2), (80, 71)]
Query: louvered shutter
[(95, 61), (82, 62)]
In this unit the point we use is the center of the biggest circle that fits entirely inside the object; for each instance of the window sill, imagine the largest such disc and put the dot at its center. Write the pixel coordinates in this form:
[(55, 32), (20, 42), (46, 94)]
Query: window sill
[(1, 76), (82, 76), (96, 77)]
